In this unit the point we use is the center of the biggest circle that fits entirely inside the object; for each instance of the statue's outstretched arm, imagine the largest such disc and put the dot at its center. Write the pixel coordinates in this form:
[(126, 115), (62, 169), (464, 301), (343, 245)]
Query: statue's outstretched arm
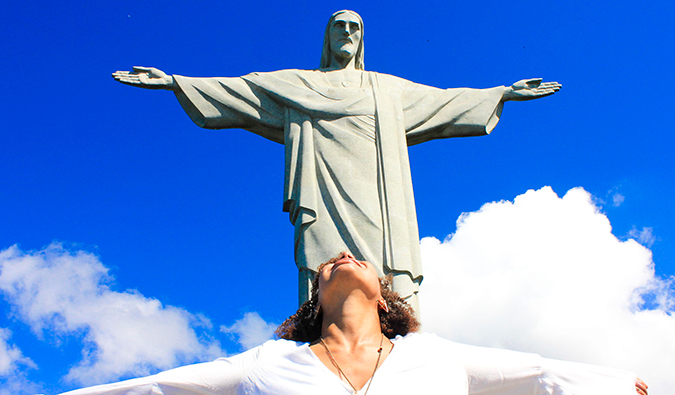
[(530, 89), (146, 77)]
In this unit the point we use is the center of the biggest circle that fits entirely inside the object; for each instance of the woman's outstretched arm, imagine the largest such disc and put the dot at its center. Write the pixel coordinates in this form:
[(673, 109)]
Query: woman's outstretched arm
[(220, 377)]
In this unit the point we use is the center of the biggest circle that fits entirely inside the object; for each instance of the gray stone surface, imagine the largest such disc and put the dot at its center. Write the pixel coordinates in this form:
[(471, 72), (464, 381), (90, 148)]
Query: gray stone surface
[(346, 132)]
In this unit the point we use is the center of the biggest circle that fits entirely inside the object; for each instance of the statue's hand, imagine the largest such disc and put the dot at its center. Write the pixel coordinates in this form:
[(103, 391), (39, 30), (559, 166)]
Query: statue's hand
[(530, 89), (145, 77)]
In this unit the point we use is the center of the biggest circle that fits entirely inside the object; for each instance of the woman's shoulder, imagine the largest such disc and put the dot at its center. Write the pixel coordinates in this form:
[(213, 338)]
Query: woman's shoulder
[(280, 348), (280, 345), (270, 349), (421, 340), (425, 337)]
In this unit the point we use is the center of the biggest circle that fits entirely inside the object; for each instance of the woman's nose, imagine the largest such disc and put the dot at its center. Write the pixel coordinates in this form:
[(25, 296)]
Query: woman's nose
[(347, 254)]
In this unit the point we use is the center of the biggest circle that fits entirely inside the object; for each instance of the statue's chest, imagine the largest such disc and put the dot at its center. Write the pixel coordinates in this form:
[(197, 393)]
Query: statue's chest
[(347, 80)]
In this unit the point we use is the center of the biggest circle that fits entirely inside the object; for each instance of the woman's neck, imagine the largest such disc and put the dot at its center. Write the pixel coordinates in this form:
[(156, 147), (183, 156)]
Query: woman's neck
[(351, 324), (352, 345)]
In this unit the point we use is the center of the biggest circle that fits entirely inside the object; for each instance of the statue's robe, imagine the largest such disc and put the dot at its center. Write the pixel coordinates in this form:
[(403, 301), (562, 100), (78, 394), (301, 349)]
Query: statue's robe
[(347, 180)]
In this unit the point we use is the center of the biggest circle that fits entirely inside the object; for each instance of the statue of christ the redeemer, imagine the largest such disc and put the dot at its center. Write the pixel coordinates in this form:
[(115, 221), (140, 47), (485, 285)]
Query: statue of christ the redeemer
[(346, 132)]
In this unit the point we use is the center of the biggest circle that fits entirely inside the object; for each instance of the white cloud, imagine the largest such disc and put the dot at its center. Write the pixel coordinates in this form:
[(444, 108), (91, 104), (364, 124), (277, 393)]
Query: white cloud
[(617, 199), (10, 355), (251, 330), (66, 293), (645, 236), (18, 384), (545, 274)]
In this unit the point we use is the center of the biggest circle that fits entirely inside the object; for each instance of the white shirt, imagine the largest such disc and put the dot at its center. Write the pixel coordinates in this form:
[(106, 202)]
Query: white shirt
[(418, 364)]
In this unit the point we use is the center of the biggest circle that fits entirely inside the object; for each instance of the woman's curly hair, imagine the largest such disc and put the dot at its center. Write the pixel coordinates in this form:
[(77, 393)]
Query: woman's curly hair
[(305, 324)]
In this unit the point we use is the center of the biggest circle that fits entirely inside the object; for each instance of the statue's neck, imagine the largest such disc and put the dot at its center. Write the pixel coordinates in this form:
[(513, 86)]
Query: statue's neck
[(341, 63)]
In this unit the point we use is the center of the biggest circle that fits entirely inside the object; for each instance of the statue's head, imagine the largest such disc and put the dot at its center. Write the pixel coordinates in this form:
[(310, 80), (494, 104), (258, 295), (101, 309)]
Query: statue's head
[(340, 46)]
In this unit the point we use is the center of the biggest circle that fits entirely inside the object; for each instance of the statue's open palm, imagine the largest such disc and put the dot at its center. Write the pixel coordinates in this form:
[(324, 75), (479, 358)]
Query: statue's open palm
[(530, 89), (145, 77)]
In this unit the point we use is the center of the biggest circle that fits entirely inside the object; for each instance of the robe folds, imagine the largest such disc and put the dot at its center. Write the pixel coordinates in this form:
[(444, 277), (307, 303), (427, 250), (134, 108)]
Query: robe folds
[(347, 179)]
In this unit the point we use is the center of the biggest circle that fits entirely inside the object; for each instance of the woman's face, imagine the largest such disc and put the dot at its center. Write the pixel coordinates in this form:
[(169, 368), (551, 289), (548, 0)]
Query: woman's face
[(346, 275)]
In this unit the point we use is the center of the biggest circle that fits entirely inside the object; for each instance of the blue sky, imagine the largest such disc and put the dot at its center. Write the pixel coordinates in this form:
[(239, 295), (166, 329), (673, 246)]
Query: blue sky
[(192, 218)]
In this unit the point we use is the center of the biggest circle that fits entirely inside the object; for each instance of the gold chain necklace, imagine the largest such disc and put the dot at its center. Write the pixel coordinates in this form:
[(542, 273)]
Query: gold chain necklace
[(334, 362)]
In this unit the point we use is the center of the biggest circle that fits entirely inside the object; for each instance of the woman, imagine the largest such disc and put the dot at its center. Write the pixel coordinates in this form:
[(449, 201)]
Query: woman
[(356, 336)]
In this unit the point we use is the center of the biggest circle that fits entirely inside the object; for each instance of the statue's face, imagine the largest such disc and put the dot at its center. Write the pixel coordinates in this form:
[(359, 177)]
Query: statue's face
[(345, 35)]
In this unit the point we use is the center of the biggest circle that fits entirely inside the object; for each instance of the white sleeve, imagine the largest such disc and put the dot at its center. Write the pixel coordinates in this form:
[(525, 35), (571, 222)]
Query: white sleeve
[(562, 377), (220, 377), (503, 372)]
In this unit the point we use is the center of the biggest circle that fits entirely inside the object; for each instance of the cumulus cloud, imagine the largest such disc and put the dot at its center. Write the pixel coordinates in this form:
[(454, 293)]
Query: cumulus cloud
[(60, 292), (251, 330), (545, 274)]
